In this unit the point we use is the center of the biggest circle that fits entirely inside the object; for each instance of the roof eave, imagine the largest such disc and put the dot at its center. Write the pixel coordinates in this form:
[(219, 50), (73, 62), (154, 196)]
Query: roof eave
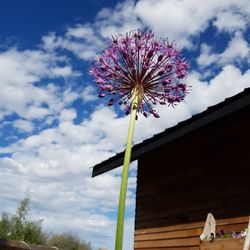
[(213, 113)]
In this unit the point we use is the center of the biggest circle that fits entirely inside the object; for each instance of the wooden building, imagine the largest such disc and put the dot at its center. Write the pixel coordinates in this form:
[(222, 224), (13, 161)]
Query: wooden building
[(199, 166)]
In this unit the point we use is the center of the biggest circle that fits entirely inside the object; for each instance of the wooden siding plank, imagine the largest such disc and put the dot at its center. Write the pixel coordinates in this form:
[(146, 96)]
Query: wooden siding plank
[(195, 241), (200, 199), (171, 248), (171, 228), (219, 222), (231, 228), (209, 194), (163, 213), (170, 235), (230, 221)]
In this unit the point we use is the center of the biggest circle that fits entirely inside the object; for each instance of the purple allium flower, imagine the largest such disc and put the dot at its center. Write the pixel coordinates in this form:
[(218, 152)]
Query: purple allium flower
[(140, 62)]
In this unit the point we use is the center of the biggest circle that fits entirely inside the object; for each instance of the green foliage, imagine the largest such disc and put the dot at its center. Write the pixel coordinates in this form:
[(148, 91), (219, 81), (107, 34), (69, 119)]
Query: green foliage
[(33, 233), (5, 226), (67, 241), (18, 227)]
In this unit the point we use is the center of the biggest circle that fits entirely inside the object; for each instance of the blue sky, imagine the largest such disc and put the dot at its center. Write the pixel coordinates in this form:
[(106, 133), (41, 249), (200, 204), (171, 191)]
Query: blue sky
[(52, 126)]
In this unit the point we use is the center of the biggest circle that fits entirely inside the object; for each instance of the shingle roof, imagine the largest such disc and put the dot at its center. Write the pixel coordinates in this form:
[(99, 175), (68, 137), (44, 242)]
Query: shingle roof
[(211, 114)]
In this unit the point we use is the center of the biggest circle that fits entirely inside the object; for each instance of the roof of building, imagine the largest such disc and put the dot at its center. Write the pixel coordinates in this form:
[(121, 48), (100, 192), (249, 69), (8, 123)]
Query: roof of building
[(211, 114)]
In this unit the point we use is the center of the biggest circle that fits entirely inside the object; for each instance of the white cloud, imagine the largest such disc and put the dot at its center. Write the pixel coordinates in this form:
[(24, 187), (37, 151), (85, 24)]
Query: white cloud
[(23, 125), (20, 71), (82, 40), (237, 50), (119, 20), (228, 82), (179, 20), (64, 72), (230, 21), (68, 115), (85, 40), (49, 42), (182, 20), (82, 32), (89, 94), (206, 57)]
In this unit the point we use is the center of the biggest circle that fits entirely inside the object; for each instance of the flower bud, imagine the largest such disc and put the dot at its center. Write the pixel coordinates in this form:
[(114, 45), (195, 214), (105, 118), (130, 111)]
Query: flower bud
[(111, 102), (101, 95), (156, 115), (160, 57), (160, 73), (166, 81), (150, 54), (100, 80)]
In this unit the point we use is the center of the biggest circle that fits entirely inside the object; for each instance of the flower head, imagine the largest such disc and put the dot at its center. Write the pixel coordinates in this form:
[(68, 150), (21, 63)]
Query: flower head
[(140, 63)]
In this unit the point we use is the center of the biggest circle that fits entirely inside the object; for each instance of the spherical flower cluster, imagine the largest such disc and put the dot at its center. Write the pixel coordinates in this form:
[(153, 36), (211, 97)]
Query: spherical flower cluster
[(140, 63)]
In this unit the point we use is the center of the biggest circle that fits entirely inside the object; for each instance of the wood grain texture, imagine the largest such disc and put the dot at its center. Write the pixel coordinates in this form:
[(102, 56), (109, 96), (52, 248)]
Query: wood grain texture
[(223, 244), (170, 235), (194, 241)]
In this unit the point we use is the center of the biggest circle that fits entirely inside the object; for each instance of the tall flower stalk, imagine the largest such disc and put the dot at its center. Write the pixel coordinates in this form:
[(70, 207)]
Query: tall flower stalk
[(139, 71)]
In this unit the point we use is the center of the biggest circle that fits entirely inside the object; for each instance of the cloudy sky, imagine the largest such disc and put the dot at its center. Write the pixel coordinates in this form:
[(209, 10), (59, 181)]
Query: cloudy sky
[(53, 129)]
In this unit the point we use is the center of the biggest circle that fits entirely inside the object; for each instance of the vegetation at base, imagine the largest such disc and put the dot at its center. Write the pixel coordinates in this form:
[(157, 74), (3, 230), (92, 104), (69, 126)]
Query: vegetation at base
[(67, 241), (19, 227)]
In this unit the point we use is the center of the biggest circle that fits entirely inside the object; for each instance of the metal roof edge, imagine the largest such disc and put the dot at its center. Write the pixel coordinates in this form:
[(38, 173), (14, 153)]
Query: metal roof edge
[(212, 113)]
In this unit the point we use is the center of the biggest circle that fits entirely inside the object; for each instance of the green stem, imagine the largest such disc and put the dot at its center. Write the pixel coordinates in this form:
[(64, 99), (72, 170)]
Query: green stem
[(124, 181)]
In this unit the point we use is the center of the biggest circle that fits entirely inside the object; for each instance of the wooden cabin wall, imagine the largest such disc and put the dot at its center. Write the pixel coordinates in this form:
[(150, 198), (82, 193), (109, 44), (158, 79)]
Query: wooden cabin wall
[(177, 185)]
